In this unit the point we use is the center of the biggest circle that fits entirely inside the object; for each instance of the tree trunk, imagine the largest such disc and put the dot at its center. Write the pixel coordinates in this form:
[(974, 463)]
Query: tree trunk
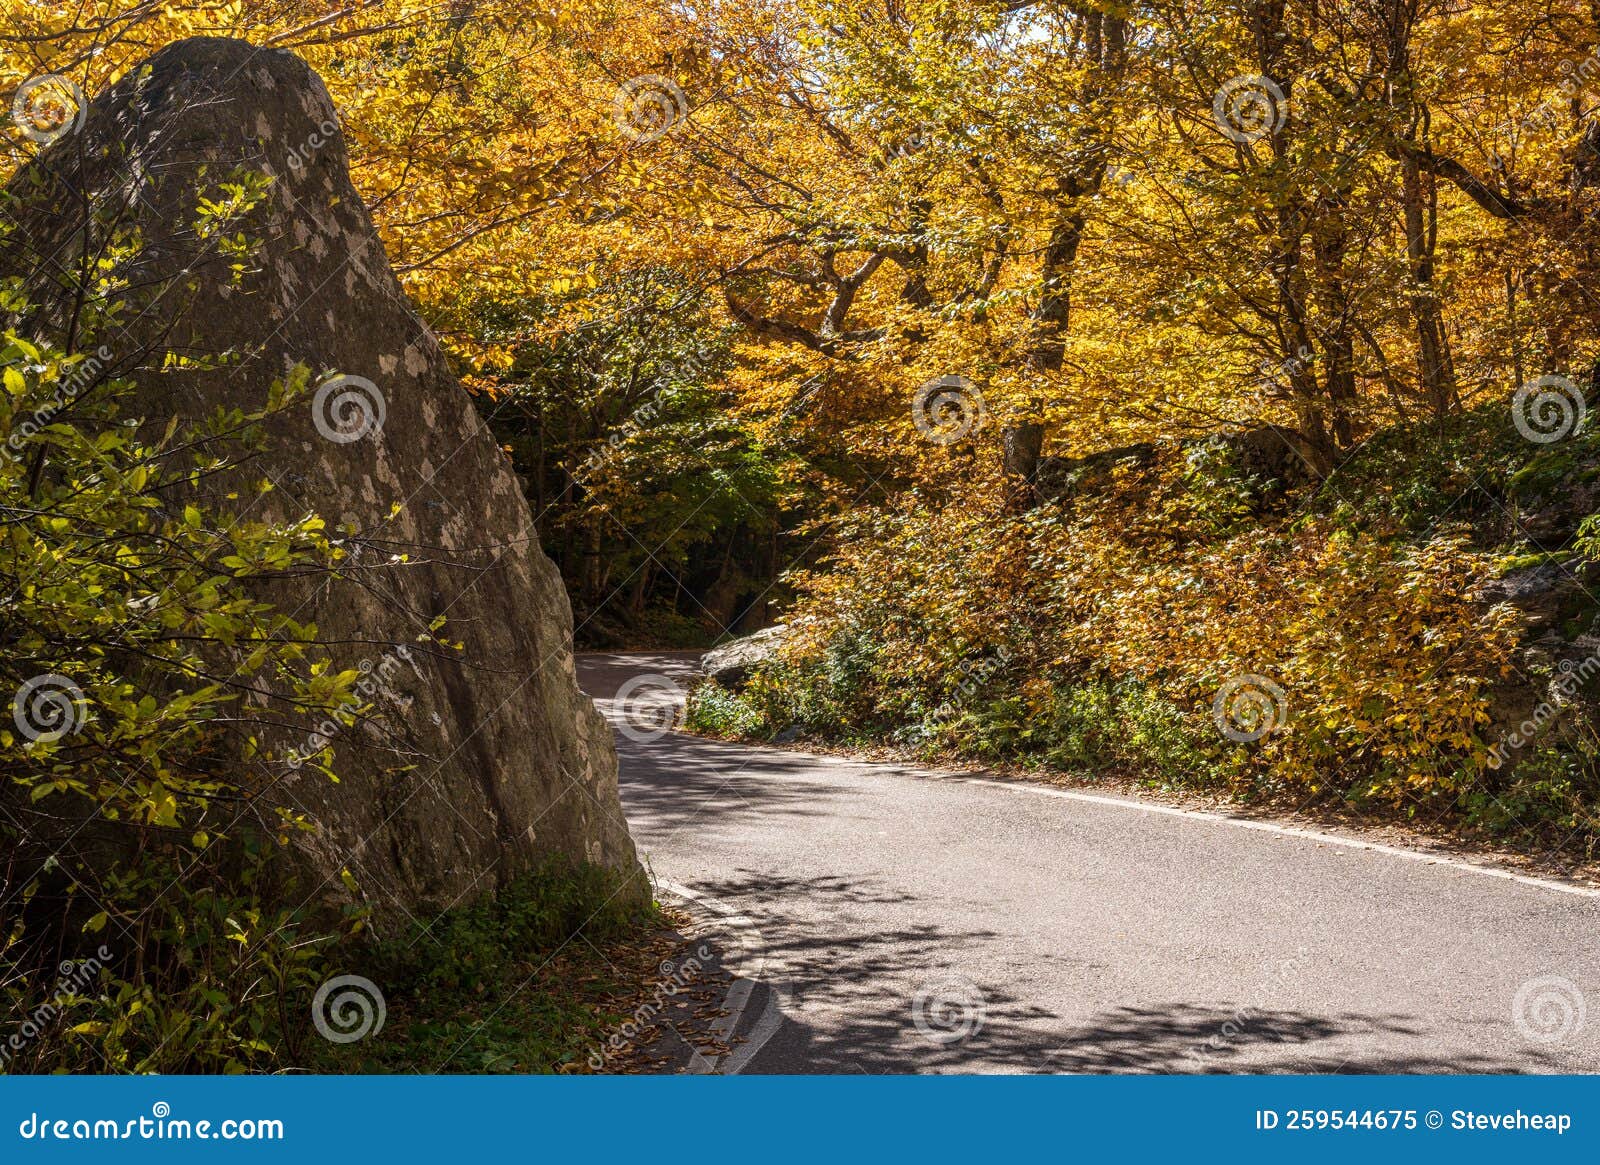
[(1022, 442), (1436, 370), (1329, 244), (1287, 264)]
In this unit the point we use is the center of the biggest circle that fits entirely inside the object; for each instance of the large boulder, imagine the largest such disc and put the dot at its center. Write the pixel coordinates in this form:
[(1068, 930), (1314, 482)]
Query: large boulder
[(491, 761), (732, 664)]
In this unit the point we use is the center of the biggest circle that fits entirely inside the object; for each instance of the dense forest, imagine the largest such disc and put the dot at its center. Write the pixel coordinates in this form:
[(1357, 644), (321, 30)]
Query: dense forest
[(1191, 392), (701, 262)]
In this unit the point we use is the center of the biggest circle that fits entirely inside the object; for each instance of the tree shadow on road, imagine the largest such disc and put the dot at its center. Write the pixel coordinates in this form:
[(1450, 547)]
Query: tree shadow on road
[(698, 782), (1184, 1038), (869, 999)]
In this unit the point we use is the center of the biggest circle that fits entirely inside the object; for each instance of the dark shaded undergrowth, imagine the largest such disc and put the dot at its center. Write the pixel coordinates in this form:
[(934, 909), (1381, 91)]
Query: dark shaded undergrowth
[(1389, 628)]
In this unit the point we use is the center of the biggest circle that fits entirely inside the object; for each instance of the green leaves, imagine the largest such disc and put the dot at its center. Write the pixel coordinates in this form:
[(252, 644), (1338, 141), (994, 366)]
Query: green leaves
[(122, 577)]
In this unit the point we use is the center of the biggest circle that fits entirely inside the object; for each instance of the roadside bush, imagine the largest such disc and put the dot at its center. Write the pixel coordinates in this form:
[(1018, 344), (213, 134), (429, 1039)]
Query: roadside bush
[(140, 672), (1137, 630), (131, 652), (716, 711)]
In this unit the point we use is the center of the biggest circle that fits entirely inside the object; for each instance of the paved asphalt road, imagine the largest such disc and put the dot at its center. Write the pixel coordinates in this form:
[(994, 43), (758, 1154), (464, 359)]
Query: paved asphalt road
[(899, 921)]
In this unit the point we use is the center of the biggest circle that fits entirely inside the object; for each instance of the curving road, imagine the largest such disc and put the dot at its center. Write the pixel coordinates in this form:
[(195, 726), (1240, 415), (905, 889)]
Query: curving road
[(893, 920)]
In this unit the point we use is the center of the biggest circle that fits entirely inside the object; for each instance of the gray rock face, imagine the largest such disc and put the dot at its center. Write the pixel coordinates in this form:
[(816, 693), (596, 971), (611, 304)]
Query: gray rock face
[(732, 664), (1276, 456), (1551, 496), (489, 760), (1060, 479), (1555, 688)]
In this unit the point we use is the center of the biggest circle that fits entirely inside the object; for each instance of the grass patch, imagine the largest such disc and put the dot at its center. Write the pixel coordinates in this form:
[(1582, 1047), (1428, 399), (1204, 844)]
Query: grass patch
[(715, 711), (527, 981)]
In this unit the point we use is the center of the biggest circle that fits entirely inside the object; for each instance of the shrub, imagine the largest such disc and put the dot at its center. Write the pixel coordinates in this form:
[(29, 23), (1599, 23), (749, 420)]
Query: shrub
[(141, 670), (527, 980), (1103, 635), (716, 711)]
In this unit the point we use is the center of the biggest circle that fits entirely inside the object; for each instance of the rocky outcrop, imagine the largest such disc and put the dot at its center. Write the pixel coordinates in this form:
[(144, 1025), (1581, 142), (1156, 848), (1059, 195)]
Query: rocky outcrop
[(1555, 685), (732, 664), (1548, 498), (1272, 456), (490, 761), (1552, 699), (1060, 479)]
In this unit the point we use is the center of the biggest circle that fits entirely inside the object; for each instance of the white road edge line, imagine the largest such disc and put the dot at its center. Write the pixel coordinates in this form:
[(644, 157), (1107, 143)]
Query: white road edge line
[(766, 970), (891, 768), (1316, 835)]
